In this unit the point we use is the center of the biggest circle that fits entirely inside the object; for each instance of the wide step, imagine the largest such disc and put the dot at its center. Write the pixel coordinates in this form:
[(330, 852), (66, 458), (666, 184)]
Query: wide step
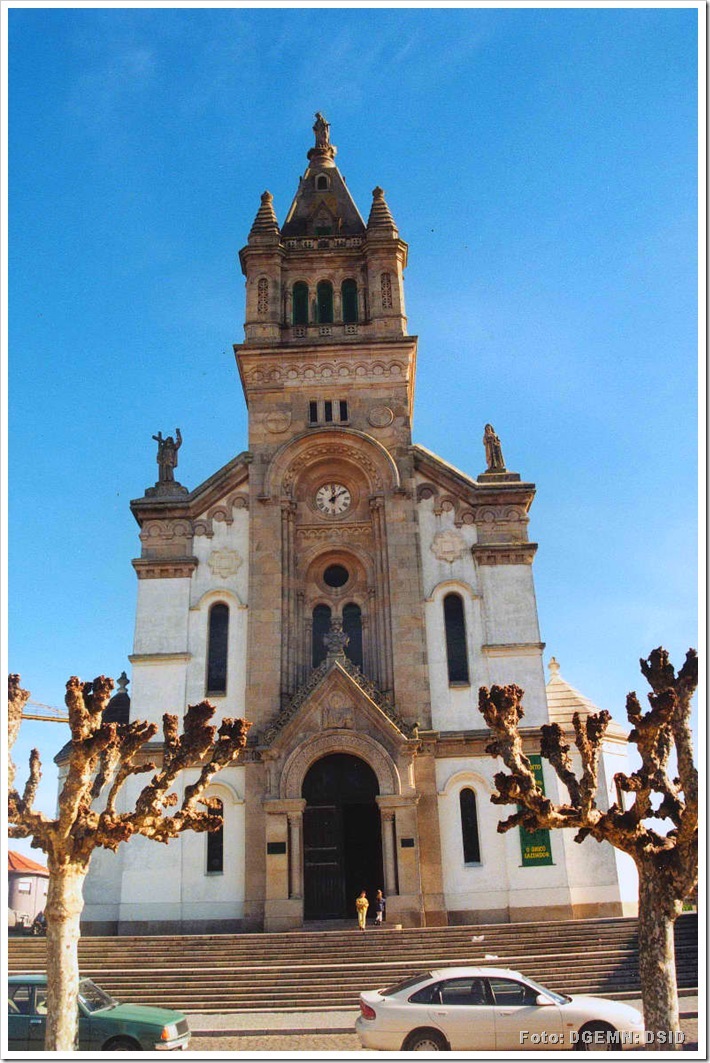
[(329, 968)]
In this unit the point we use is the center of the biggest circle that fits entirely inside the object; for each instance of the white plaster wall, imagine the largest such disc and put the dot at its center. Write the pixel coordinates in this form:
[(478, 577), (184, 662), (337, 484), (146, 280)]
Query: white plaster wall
[(500, 881), (170, 882), (158, 686), (161, 615), (511, 609), (524, 668)]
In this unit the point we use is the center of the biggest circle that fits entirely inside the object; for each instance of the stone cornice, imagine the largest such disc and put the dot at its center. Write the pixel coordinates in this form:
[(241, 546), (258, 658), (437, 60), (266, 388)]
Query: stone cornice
[(164, 568), (159, 658), (212, 490), (504, 553), (473, 491), (513, 649)]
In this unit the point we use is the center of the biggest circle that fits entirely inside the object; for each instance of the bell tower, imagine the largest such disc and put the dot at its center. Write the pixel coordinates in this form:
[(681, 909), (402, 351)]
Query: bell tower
[(327, 369)]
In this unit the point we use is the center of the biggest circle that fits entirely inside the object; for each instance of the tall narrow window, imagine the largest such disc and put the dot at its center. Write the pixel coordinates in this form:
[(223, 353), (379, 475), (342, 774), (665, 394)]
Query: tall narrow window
[(352, 626), (215, 840), (313, 412), (217, 644), (327, 410), (456, 652), (386, 291), (469, 827), (349, 293), (300, 303), (325, 302), (321, 627), (262, 296)]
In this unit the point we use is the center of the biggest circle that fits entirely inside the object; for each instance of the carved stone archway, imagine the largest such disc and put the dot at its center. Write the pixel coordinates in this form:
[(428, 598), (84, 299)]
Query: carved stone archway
[(339, 741)]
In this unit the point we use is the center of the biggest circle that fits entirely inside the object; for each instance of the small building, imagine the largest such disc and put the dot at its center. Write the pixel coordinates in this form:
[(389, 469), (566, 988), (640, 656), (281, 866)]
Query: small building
[(28, 882)]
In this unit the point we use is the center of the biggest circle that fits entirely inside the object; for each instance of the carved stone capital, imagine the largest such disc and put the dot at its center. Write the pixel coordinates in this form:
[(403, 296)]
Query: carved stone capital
[(171, 568), (504, 553)]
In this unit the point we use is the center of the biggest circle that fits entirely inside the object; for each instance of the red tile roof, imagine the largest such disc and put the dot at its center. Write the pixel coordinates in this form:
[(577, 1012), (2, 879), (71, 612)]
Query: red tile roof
[(23, 864)]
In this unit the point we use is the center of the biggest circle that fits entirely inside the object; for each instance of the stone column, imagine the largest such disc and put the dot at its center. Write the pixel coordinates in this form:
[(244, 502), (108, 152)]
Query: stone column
[(388, 853), (283, 910), (288, 509), (382, 581), (295, 865)]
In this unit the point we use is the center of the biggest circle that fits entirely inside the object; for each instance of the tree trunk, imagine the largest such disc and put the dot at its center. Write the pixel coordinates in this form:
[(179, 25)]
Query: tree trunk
[(659, 989), (64, 906)]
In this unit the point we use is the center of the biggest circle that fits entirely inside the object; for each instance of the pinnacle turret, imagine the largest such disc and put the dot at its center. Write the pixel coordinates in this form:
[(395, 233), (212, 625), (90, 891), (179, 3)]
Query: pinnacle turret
[(380, 220), (265, 222)]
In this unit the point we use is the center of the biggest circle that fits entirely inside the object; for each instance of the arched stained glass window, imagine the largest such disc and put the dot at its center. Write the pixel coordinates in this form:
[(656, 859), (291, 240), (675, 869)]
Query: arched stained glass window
[(300, 303), (349, 294), (217, 645), (325, 302), (352, 626), (215, 840), (456, 651), (321, 627), (469, 827)]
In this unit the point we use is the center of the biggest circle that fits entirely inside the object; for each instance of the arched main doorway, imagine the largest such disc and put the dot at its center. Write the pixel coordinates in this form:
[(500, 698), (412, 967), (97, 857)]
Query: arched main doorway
[(342, 844)]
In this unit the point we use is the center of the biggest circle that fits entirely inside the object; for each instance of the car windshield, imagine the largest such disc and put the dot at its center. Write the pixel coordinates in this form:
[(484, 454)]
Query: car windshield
[(92, 997), (559, 998), (406, 984)]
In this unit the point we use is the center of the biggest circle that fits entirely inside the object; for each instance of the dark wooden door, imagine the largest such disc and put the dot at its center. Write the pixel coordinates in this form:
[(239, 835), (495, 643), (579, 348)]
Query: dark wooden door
[(323, 860)]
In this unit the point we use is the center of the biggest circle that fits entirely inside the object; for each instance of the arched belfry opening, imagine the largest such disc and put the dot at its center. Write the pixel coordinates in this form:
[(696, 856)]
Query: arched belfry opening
[(342, 838)]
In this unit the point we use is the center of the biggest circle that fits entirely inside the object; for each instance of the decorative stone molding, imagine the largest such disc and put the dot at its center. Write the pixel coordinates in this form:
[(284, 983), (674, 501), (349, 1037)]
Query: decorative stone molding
[(153, 530), (427, 490), (504, 553), (172, 568), (338, 533), (158, 658), (224, 563), (292, 705), (274, 373), (360, 745), (333, 449), (277, 421), (448, 545), (501, 524), (380, 416)]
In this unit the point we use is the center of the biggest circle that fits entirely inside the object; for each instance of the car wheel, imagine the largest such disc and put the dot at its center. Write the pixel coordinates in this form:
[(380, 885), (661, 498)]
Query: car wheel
[(425, 1041), (587, 1042), (121, 1044)]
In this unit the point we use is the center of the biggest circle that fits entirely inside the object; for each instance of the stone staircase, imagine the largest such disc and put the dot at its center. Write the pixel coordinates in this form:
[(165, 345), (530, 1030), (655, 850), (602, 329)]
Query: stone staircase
[(326, 969)]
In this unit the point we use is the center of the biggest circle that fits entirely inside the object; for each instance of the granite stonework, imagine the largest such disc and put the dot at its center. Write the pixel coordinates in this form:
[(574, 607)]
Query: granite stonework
[(331, 483)]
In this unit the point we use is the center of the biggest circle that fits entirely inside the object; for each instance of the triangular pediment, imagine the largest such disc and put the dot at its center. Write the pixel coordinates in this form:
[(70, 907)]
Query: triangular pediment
[(337, 696)]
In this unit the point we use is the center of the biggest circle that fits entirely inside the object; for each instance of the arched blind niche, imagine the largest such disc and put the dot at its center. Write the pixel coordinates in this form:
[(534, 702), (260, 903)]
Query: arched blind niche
[(217, 646), (300, 303), (320, 627), (456, 650), (349, 294), (325, 302)]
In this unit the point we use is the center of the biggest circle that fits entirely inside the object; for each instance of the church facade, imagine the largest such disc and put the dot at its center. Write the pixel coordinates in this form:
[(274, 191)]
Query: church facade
[(347, 591)]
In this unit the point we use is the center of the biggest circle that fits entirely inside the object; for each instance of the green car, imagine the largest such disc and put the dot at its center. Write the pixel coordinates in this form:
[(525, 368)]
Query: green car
[(104, 1024)]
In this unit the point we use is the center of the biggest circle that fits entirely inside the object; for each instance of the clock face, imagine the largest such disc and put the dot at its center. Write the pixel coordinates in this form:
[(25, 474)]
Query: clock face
[(332, 499)]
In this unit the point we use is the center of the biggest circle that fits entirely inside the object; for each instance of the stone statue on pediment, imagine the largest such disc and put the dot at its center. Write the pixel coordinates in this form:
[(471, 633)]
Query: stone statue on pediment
[(494, 452), (322, 131), (167, 457)]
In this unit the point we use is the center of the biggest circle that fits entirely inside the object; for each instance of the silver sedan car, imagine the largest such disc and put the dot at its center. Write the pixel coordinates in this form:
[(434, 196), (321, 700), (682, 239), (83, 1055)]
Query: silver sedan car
[(466, 1009)]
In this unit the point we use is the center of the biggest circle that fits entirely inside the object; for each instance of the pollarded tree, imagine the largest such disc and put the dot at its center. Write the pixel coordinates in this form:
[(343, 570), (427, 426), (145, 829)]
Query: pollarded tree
[(667, 863), (101, 757)]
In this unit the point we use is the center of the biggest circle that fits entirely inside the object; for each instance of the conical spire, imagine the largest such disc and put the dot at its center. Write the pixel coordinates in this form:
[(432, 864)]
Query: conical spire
[(380, 219), (265, 223)]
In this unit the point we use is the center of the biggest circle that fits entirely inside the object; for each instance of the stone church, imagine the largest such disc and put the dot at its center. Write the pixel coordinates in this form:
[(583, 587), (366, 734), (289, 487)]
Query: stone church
[(347, 591)]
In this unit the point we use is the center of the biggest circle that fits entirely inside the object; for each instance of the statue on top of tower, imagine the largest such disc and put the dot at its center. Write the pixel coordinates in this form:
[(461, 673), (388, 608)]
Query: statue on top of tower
[(167, 457), (322, 131), (494, 451)]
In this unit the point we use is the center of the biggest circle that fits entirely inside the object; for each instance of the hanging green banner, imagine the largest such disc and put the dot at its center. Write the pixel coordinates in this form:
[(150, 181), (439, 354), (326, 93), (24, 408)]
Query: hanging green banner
[(535, 845)]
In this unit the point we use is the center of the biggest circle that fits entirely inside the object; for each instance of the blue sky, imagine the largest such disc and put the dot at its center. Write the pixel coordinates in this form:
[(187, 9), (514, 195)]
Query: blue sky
[(542, 166)]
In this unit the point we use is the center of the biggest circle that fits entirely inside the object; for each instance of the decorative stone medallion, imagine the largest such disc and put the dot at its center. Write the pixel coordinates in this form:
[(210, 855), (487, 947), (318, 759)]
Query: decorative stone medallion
[(224, 563), (278, 421), (380, 416), (448, 545)]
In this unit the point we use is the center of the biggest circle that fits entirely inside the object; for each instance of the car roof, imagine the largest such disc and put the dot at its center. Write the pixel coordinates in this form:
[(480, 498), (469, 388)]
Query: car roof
[(468, 972), (25, 979)]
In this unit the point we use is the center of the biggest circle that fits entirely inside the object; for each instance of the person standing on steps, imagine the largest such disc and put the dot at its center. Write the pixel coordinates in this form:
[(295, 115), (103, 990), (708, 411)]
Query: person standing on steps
[(361, 906), (380, 908)]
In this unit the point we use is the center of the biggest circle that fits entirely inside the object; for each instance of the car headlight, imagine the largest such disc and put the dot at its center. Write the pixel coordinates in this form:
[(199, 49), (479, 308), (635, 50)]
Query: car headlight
[(169, 1032)]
